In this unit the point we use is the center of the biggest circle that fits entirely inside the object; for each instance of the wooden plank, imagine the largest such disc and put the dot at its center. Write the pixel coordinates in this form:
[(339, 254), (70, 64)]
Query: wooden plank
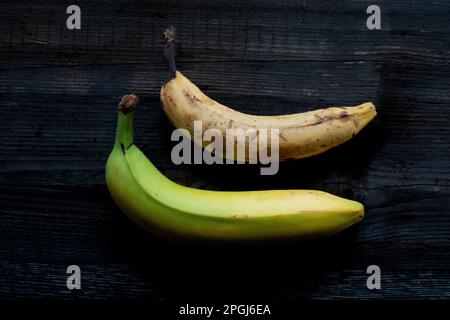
[(59, 89)]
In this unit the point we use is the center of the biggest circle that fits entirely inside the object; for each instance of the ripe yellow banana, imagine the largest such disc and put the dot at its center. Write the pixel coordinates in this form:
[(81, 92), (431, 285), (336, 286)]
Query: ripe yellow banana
[(300, 135), (178, 212)]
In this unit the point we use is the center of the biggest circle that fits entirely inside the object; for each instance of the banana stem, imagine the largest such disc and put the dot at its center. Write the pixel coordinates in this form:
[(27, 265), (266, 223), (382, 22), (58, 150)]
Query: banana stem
[(125, 116), (170, 50)]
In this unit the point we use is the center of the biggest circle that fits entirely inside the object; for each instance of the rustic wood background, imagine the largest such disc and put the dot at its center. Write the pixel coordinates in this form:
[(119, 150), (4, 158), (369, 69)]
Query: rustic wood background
[(59, 89)]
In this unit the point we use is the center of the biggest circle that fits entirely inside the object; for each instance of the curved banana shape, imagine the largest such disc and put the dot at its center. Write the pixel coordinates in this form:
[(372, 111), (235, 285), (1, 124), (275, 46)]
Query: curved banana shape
[(178, 212), (300, 135)]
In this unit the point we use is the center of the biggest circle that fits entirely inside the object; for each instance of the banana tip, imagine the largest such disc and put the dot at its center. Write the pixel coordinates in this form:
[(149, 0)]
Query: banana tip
[(128, 103), (372, 107), (360, 212)]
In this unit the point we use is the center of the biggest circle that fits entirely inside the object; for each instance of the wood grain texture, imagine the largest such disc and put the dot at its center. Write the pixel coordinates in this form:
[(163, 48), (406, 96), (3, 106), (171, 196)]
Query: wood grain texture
[(59, 89)]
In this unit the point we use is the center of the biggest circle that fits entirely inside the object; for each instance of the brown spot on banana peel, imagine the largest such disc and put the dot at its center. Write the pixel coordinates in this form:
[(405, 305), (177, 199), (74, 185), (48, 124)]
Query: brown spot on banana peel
[(163, 96), (191, 98), (239, 216), (283, 137), (169, 103), (321, 119), (344, 116)]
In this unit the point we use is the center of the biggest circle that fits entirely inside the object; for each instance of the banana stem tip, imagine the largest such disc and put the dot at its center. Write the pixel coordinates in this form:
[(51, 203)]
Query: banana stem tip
[(169, 34), (128, 103)]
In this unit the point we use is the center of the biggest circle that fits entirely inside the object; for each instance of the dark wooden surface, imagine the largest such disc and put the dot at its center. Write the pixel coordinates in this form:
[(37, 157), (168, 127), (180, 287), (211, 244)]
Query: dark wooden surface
[(59, 89)]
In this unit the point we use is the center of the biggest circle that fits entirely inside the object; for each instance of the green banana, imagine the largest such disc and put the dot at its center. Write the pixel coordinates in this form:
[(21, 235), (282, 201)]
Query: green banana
[(177, 212)]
